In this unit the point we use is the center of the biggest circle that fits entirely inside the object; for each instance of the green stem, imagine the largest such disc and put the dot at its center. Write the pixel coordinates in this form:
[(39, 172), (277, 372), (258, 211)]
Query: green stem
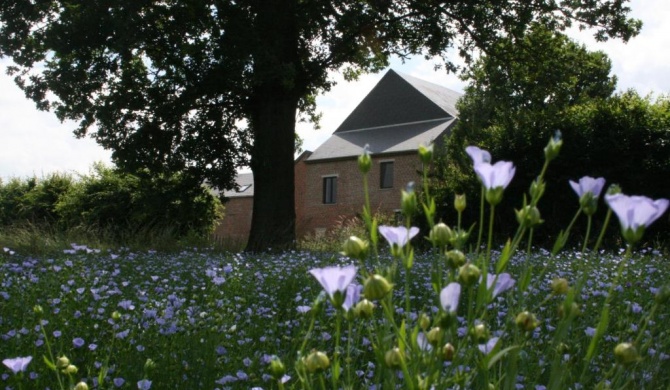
[(588, 233), (481, 220), (602, 231), (335, 371), (490, 237)]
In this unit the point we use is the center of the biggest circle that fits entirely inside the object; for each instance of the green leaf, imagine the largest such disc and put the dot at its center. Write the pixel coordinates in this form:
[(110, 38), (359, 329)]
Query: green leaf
[(504, 257), (500, 355), (48, 362), (560, 242)]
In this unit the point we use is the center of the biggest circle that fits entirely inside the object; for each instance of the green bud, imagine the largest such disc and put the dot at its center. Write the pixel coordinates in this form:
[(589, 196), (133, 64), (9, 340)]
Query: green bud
[(435, 335), (448, 352), (528, 216), (459, 238), (364, 160), (116, 315), (537, 189), (424, 321), (355, 248), (70, 370), (559, 286), (376, 287), (632, 236), (276, 368), (455, 258), (526, 321), (37, 309), (394, 358), (480, 333), (81, 386), (316, 361), (553, 147), (62, 362), (626, 354), (494, 195), (613, 189), (426, 153), (573, 309), (364, 309), (459, 202), (408, 202), (468, 274), (589, 203), (663, 294), (149, 365), (440, 235)]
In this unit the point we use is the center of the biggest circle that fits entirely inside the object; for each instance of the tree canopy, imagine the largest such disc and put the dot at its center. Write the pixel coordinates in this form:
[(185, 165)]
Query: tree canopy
[(207, 86)]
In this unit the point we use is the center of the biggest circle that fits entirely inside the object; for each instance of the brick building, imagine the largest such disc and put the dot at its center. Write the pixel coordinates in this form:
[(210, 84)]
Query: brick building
[(400, 113)]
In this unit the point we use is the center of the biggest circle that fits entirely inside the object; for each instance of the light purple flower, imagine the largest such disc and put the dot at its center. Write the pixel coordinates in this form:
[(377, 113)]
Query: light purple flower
[(78, 342), (399, 236), (449, 297), (503, 282), (488, 347), (478, 155), (588, 184), (636, 211), (497, 175), (353, 295), (422, 342), (144, 384), (118, 382), (18, 364), (334, 279)]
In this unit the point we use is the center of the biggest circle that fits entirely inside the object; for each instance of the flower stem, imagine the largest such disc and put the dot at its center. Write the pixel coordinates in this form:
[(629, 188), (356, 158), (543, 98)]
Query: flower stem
[(588, 233)]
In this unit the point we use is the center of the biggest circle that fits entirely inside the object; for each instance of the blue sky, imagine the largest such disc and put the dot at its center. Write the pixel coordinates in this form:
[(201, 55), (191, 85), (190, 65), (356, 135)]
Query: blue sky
[(36, 143)]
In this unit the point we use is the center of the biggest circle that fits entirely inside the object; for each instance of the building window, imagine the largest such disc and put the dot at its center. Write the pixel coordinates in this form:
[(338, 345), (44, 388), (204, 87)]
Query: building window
[(329, 189), (386, 174)]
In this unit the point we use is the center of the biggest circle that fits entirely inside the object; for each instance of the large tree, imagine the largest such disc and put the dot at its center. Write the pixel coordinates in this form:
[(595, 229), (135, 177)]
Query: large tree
[(199, 85)]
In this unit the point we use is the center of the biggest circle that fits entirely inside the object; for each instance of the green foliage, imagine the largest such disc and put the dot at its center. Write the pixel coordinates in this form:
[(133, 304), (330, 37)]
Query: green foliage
[(106, 206), (512, 108)]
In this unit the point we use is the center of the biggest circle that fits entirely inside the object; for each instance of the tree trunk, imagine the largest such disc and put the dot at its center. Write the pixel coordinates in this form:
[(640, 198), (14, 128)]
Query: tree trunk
[(272, 112)]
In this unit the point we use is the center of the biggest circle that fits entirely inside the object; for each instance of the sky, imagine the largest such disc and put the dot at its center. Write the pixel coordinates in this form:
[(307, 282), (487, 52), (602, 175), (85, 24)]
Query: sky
[(35, 143)]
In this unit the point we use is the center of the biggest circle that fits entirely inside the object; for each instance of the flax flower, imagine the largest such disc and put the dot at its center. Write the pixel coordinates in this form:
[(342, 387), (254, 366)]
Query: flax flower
[(399, 236), (478, 155), (449, 297), (335, 281), (18, 364), (635, 213)]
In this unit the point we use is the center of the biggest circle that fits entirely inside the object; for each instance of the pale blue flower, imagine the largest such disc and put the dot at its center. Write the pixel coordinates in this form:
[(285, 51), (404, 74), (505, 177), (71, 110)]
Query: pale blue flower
[(144, 384), (422, 342), (353, 295), (478, 155), (635, 213), (488, 346), (588, 184), (503, 282), (334, 279), (449, 297), (399, 235), (498, 175), (18, 364)]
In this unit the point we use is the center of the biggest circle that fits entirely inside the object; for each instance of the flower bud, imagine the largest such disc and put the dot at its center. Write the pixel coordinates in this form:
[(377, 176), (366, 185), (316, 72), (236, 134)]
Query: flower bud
[(316, 361), (614, 189), (468, 274), (573, 310), (81, 386), (424, 321), (459, 202), (408, 202), (435, 335), (553, 147), (537, 189), (276, 368), (663, 294), (626, 353), (149, 365), (455, 258), (426, 153), (364, 309), (37, 309), (376, 287), (528, 216), (526, 321), (62, 362), (480, 333), (459, 238), (355, 248), (494, 195), (116, 315), (448, 352), (440, 235), (364, 160), (70, 369), (394, 358), (559, 286), (589, 203)]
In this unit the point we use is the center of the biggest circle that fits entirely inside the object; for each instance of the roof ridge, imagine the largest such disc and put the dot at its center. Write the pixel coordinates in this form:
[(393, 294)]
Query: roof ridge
[(397, 125)]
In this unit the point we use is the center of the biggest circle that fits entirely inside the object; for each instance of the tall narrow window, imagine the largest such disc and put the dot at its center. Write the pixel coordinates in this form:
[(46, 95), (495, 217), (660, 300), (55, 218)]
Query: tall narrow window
[(386, 174), (329, 189)]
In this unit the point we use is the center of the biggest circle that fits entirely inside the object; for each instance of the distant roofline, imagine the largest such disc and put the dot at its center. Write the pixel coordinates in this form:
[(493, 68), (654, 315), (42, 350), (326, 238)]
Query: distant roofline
[(446, 118)]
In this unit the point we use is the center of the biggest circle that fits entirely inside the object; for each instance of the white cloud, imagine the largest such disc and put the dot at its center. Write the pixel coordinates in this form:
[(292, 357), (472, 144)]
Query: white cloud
[(35, 143)]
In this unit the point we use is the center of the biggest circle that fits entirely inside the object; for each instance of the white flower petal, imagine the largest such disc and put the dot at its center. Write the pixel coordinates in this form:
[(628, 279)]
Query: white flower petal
[(449, 297)]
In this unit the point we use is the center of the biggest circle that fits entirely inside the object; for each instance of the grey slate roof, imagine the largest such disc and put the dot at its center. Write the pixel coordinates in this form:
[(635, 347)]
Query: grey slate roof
[(245, 181), (399, 113)]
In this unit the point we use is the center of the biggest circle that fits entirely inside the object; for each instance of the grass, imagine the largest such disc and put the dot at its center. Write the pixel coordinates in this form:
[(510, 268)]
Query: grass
[(213, 320)]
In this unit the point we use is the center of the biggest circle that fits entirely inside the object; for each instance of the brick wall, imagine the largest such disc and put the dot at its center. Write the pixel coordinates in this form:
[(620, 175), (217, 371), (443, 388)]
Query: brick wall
[(236, 223), (318, 216)]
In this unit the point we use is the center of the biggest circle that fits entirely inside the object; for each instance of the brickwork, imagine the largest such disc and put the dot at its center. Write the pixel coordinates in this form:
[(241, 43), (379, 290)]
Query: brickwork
[(318, 216), (236, 223)]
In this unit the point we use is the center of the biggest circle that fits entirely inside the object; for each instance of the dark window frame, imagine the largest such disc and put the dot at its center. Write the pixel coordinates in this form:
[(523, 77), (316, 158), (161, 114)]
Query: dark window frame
[(329, 195), (386, 174)]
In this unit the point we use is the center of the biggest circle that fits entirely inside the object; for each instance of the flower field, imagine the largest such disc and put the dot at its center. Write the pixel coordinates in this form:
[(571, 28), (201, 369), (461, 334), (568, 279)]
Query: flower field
[(205, 320)]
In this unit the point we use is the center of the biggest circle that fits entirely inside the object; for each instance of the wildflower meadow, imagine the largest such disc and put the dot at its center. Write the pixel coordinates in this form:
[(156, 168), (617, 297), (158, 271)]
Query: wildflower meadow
[(378, 314)]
